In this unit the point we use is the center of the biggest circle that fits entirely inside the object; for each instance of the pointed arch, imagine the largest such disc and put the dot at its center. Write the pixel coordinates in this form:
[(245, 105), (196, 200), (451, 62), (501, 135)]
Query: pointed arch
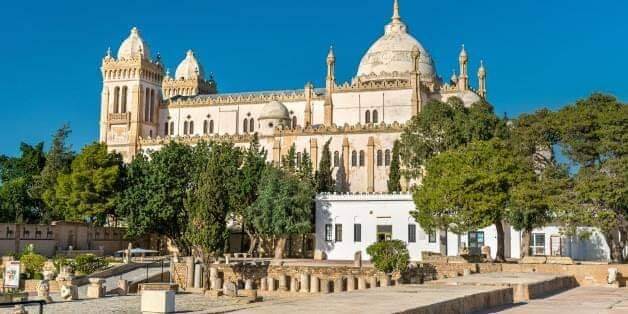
[(252, 125), (362, 158), (354, 159), (245, 126), (375, 116)]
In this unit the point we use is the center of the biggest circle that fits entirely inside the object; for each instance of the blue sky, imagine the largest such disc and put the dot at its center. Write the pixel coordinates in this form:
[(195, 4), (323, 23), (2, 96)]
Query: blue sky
[(537, 53)]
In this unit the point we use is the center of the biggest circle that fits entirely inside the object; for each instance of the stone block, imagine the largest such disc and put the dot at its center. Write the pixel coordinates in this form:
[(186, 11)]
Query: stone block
[(264, 284), (153, 301), (560, 260), (386, 281), (213, 293), (271, 284), (248, 284), (612, 276), (68, 292), (123, 287), (466, 272), (96, 288), (250, 293), (533, 260), (230, 289)]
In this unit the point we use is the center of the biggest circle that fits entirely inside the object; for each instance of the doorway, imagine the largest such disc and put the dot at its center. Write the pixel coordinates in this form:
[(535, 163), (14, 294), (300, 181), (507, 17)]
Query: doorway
[(476, 242), (384, 233)]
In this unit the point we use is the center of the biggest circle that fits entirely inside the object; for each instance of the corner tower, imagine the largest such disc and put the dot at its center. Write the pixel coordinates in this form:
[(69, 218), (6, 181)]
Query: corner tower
[(131, 96)]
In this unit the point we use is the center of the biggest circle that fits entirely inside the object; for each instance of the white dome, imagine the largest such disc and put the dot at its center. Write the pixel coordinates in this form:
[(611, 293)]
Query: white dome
[(468, 97), (189, 68), (275, 110), (393, 53), (133, 46)]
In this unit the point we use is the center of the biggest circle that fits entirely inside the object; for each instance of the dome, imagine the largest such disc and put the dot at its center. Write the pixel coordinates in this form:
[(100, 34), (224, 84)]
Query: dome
[(275, 110), (468, 97), (189, 68), (133, 46), (393, 53)]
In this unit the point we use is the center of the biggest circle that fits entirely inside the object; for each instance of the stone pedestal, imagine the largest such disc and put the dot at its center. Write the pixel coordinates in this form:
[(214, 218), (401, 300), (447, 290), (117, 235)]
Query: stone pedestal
[(123, 287), (314, 285), (248, 284), (350, 283), (218, 284), (305, 283), (338, 283), (43, 291), (361, 283), (263, 284), (68, 291), (230, 289), (612, 276), (325, 285), (283, 283), (198, 275), (294, 284), (271, 284), (96, 288), (386, 281), (155, 301), (189, 280), (373, 282)]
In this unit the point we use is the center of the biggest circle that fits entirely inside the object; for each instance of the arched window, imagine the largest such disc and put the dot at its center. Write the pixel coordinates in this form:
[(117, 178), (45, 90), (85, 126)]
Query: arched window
[(354, 159), (172, 128), (245, 126), (367, 117), (166, 128), (361, 158), (336, 159), (380, 158), (116, 100), (191, 127), (123, 99), (152, 106), (387, 157), (251, 125), (211, 126), (185, 128), (205, 127), (375, 116)]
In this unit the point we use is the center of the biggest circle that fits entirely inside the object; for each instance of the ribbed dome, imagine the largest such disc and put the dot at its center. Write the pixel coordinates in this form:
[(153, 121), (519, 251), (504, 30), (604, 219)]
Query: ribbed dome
[(275, 110), (393, 53), (133, 46), (189, 68)]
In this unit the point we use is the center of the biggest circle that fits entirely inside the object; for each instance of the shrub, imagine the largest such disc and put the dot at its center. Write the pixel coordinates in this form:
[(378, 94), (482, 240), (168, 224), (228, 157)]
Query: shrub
[(389, 256), (33, 263), (89, 263)]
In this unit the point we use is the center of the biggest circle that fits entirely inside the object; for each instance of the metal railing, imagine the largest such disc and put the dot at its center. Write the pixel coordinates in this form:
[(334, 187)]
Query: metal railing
[(12, 304)]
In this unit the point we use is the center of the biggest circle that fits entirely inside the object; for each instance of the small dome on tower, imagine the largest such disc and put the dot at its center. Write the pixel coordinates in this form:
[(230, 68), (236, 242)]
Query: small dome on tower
[(463, 54), (189, 68), (134, 46), (481, 70), (275, 110)]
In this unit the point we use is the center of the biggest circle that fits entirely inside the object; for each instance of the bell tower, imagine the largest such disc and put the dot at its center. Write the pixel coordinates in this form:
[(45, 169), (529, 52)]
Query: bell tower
[(131, 96)]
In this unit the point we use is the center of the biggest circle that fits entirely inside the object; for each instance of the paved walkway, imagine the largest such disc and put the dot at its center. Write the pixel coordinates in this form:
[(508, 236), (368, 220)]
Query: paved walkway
[(581, 300)]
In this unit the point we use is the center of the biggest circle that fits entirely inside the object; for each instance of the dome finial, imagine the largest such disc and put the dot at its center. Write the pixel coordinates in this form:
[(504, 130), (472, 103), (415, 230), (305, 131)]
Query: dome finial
[(109, 52), (331, 55), (396, 16)]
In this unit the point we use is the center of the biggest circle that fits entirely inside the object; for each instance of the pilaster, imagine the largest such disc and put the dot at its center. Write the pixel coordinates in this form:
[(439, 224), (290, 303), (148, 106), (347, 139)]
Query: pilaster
[(370, 165), (314, 153)]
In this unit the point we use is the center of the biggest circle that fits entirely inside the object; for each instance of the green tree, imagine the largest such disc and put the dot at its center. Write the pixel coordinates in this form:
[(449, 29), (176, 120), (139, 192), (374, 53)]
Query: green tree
[(389, 256), (324, 180), (394, 178), (470, 188), (306, 171), (89, 192), (288, 161), (284, 207)]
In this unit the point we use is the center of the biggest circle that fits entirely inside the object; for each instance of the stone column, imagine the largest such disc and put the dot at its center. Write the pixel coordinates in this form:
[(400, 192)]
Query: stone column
[(248, 284), (345, 156), (283, 282), (370, 165), (213, 274), (314, 153), (305, 282), (264, 284), (324, 285), (271, 284), (373, 282), (350, 283), (294, 284), (123, 287), (386, 281), (338, 284), (361, 283), (277, 152), (218, 285), (314, 285), (189, 280), (198, 272)]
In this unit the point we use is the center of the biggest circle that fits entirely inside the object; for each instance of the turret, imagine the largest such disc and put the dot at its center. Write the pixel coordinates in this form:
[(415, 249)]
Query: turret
[(309, 94), (330, 83), (189, 79), (463, 78), (415, 82), (482, 80)]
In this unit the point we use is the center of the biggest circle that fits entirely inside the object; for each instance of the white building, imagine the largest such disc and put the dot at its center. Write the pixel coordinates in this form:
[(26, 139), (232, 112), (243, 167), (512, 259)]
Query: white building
[(348, 223)]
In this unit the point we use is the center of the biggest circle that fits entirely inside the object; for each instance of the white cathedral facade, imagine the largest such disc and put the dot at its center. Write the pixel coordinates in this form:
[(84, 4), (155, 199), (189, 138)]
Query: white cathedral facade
[(143, 107)]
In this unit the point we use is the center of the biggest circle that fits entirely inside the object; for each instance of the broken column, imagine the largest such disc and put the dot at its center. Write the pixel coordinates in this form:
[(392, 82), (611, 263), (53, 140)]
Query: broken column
[(263, 283), (324, 285), (123, 287), (350, 283), (305, 282), (373, 282), (283, 282), (386, 281), (361, 283), (314, 285), (95, 289), (43, 291), (338, 284), (271, 284), (294, 284)]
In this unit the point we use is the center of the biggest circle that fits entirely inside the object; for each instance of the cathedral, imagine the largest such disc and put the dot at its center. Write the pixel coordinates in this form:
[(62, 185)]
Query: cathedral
[(144, 107)]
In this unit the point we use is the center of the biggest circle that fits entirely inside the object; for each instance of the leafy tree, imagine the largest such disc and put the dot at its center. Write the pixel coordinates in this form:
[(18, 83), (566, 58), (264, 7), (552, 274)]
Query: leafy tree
[(283, 207), (324, 180), (89, 191), (470, 188), (394, 178), (17, 204), (389, 256), (29, 164), (289, 160), (210, 202)]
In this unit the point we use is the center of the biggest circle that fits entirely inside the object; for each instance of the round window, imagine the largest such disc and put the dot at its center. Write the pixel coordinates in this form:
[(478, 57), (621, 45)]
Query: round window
[(270, 125)]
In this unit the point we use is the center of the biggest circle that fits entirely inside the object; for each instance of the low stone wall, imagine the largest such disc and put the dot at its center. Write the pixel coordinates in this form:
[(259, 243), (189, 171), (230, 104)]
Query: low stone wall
[(470, 303), (585, 275)]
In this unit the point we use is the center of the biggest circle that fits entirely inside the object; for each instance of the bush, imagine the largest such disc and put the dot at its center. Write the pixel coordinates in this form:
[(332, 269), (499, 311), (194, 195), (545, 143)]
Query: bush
[(33, 263), (389, 256), (89, 263)]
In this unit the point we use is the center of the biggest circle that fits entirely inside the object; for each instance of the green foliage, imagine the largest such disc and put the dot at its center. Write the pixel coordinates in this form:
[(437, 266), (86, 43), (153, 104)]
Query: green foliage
[(323, 177), (389, 256), (32, 264), (288, 161), (89, 191), (306, 171), (88, 263), (394, 177)]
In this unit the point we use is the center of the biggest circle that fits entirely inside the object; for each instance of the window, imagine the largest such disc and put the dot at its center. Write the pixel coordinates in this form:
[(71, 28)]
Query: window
[(172, 128), (191, 127), (411, 233), (146, 104), (152, 105), (361, 158), (336, 159), (476, 242), (123, 100), (354, 159), (245, 126), (338, 233), (380, 158), (294, 122), (367, 117), (211, 126), (537, 244), (166, 128), (432, 237), (205, 127), (357, 233), (387, 157), (375, 116), (185, 128), (116, 100), (328, 237), (251, 125)]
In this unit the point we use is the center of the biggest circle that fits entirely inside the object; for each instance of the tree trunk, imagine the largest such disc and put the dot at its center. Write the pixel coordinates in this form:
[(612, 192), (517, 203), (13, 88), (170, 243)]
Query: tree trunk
[(280, 247), (253, 242), (525, 242), (499, 256), (615, 246)]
